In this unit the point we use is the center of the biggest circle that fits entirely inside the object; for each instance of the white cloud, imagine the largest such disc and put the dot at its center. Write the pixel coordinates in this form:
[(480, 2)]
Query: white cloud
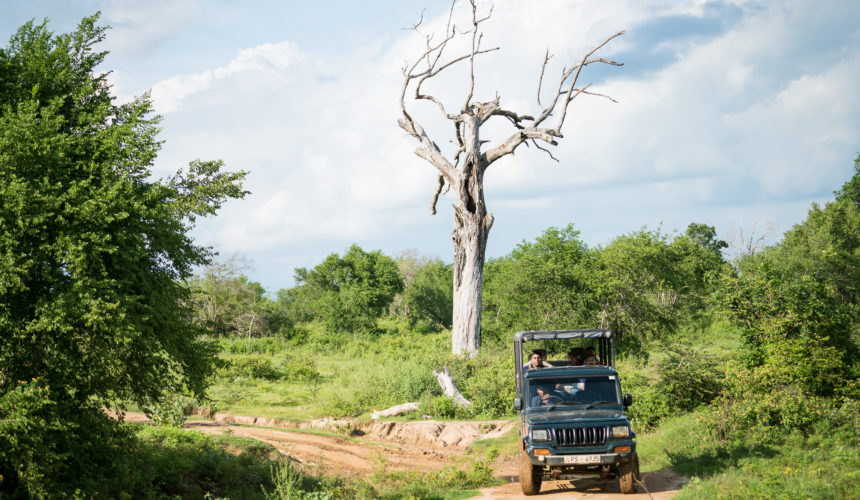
[(269, 58), (725, 124)]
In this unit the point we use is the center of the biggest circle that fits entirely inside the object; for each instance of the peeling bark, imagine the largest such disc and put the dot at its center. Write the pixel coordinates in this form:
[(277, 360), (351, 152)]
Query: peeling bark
[(472, 221)]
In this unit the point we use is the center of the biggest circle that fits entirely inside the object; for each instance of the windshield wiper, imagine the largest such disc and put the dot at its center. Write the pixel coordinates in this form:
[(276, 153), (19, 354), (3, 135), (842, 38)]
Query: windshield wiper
[(592, 405), (565, 403)]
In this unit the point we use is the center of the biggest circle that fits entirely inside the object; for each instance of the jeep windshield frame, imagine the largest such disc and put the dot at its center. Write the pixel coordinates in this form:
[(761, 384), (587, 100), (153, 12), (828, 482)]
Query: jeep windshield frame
[(571, 390), (605, 346)]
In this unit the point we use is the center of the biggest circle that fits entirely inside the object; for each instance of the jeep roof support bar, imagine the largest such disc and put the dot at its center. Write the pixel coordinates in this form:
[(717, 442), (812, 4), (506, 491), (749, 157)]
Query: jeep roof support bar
[(606, 344)]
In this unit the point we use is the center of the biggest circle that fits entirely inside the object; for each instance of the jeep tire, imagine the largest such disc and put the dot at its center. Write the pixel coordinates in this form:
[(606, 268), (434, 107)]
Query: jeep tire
[(530, 475), (628, 474)]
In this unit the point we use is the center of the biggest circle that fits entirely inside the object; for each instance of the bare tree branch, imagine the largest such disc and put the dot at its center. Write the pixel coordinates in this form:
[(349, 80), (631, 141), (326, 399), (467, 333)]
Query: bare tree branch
[(436, 195), (548, 135), (546, 59), (547, 151)]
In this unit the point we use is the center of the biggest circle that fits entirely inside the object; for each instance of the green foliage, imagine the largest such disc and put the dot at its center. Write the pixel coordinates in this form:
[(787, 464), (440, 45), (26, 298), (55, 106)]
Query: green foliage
[(639, 285), (171, 463), (49, 449), (250, 366), (822, 463), (347, 293), (850, 191), (432, 485), (429, 295), (171, 413), (688, 377), (540, 285), (92, 252), (650, 403), (226, 302)]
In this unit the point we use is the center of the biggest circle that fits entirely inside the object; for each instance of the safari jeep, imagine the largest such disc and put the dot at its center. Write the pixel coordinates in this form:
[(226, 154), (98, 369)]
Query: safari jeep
[(571, 418)]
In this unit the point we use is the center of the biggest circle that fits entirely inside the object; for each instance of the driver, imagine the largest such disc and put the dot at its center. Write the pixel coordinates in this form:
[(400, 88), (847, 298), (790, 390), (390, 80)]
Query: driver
[(542, 396)]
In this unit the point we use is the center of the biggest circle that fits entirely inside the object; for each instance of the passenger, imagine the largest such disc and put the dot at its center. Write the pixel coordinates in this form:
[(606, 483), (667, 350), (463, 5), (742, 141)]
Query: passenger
[(575, 356), (591, 360), (543, 358), (535, 362), (590, 351)]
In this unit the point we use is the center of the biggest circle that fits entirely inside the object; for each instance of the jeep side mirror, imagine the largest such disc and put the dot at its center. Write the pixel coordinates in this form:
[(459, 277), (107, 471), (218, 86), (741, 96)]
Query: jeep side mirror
[(628, 399), (518, 404)]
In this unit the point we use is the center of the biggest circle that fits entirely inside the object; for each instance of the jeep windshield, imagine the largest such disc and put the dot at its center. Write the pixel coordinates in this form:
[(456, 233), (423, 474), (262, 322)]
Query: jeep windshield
[(580, 391)]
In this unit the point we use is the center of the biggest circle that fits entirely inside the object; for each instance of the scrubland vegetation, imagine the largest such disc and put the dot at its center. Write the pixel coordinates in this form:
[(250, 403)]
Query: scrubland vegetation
[(744, 371)]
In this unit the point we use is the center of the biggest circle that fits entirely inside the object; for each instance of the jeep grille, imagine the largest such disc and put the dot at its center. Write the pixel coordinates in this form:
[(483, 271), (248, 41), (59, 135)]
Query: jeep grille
[(580, 436)]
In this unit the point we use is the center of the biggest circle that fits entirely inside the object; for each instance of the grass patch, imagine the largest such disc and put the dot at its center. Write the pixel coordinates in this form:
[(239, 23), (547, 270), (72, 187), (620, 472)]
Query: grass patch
[(825, 464), (508, 444)]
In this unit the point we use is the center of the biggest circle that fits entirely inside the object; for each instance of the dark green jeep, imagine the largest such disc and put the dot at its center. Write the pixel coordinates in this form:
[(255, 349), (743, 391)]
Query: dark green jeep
[(571, 417)]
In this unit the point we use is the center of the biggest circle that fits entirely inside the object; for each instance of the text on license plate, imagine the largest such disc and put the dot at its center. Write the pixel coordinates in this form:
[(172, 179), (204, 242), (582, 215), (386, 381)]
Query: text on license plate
[(582, 459)]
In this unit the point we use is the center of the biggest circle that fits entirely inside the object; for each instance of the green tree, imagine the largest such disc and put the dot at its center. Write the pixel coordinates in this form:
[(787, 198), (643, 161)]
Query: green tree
[(93, 254), (227, 303), (429, 295), (540, 285), (349, 293)]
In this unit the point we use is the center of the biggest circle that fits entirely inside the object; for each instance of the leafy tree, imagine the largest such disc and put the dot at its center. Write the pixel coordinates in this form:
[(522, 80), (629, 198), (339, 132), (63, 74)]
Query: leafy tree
[(226, 302), (540, 285), (429, 295), (636, 286), (349, 292), (93, 253)]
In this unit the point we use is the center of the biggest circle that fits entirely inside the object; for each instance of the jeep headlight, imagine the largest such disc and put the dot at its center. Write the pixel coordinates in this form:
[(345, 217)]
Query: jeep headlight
[(620, 431), (540, 435)]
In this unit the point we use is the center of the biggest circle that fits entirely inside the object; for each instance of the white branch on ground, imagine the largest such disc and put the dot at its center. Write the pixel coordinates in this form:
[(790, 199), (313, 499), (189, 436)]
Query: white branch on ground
[(394, 411)]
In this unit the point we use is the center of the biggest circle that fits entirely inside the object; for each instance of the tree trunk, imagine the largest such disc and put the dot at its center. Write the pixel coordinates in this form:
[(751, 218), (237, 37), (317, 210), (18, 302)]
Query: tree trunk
[(472, 224), (446, 382)]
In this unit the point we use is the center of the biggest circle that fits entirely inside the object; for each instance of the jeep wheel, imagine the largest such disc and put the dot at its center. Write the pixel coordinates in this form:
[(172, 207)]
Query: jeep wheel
[(628, 474), (530, 475)]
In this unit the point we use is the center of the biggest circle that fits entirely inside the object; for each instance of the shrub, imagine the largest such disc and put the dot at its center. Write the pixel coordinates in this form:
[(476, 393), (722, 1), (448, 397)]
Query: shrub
[(303, 370), (437, 406), (650, 404), (250, 367), (688, 377), (172, 412)]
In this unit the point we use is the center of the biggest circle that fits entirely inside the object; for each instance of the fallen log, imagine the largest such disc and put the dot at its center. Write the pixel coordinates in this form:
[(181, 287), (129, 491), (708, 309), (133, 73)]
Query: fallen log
[(446, 381), (394, 410)]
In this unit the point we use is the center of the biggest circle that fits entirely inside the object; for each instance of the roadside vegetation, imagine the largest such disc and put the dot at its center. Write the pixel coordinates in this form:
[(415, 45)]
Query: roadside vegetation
[(744, 371)]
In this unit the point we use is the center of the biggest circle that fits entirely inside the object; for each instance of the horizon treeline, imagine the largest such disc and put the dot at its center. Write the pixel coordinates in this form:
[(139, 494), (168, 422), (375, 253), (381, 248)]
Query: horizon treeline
[(643, 285)]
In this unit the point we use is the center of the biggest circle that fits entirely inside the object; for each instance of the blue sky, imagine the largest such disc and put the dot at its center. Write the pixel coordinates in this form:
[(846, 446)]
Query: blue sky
[(738, 114)]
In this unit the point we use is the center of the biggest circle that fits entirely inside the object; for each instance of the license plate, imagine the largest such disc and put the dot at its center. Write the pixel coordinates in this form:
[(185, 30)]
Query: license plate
[(582, 459)]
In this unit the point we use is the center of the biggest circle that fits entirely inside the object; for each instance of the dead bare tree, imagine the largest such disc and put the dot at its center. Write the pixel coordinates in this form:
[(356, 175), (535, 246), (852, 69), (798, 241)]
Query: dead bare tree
[(742, 244), (472, 221)]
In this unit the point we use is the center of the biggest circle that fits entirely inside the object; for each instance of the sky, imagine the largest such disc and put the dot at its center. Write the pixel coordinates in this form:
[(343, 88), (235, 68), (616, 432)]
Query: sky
[(737, 114)]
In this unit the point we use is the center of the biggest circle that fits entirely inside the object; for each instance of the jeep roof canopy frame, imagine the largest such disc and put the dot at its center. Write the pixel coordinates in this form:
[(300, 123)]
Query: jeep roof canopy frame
[(605, 343)]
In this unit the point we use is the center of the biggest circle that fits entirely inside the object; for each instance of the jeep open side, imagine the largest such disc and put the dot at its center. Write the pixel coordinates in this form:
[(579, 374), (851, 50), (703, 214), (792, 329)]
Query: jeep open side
[(571, 418)]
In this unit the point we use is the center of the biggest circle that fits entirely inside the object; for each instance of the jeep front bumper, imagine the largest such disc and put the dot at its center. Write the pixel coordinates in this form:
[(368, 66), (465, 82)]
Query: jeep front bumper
[(571, 460)]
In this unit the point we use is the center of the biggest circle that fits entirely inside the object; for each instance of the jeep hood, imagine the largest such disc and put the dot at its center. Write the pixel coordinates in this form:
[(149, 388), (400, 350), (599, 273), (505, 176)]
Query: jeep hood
[(571, 416)]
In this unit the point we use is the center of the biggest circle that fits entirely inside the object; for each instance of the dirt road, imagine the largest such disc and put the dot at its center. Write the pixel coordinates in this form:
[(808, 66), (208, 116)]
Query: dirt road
[(422, 446)]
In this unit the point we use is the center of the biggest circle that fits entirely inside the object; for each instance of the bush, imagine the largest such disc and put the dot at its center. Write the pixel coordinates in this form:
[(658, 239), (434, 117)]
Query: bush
[(437, 406), (688, 377), (303, 370), (250, 367)]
